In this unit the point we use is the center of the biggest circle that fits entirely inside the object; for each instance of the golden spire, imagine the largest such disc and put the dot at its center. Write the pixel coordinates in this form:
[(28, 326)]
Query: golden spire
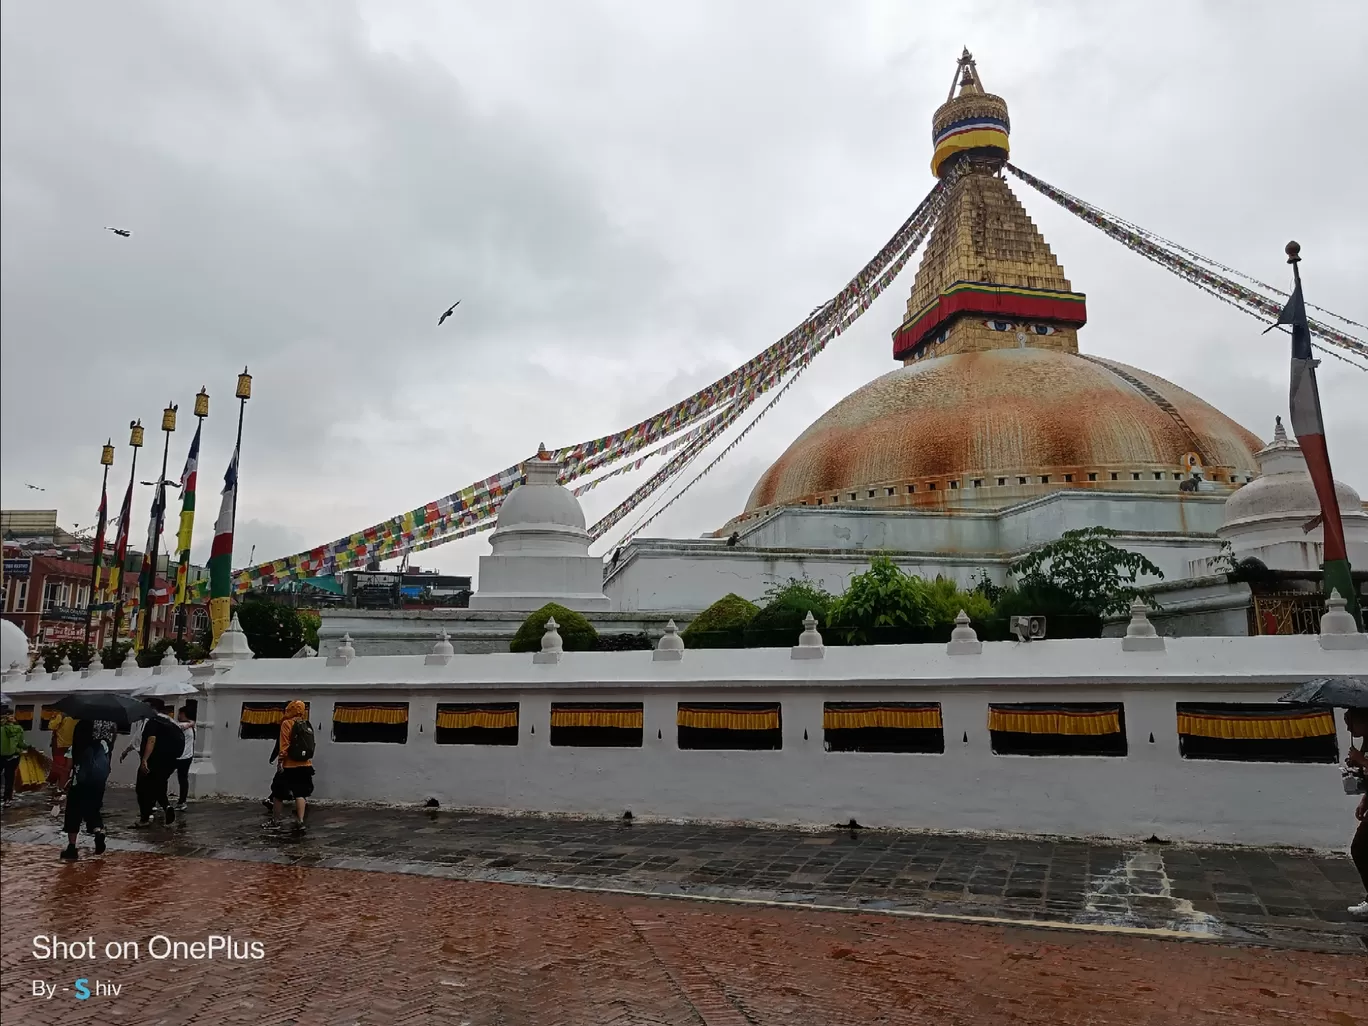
[(987, 279)]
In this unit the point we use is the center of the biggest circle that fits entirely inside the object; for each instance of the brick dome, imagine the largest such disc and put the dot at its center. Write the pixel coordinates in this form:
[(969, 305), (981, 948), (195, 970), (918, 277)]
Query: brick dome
[(990, 428)]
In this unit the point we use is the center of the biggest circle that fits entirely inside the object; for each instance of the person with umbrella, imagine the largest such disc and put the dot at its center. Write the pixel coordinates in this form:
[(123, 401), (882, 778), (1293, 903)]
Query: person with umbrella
[(162, 744), (91, 745), (1352, 693)]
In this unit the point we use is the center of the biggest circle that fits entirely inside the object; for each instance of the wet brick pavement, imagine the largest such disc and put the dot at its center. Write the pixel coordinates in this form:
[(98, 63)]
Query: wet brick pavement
[(1282, 898), (346, 948)]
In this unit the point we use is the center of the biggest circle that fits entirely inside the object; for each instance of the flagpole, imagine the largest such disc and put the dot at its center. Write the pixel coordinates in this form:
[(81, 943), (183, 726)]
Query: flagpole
[(136, 441), (201, 411), (1308, 424), (106, 460), (158, 512)]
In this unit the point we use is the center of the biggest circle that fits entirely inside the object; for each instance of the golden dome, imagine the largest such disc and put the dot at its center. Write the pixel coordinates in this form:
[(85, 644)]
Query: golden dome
[(991, 428)]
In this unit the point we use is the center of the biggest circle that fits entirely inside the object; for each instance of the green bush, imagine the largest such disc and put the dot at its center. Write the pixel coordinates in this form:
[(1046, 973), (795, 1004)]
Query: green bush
[(274, 631), (886, 605), (638, 642), (721, 625), (577, 633), (780, 620)]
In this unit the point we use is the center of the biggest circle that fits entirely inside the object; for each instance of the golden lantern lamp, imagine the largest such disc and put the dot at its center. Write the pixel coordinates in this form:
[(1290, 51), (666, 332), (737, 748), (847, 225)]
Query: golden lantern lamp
[(202, 402), (107, 454), (244, 385), (136, 439), (169, 418)]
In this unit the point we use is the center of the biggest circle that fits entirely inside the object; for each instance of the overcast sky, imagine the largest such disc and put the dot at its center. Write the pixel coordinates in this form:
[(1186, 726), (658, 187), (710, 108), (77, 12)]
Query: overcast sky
[(630, 199)]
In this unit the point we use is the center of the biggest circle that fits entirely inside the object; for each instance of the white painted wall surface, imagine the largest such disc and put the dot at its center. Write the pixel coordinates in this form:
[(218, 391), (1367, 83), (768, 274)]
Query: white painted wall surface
[(1151, 791), (831, 545)]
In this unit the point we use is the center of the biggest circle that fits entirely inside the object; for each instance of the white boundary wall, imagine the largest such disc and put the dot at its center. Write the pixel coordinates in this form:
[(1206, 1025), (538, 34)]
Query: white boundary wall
[(1150, 791)]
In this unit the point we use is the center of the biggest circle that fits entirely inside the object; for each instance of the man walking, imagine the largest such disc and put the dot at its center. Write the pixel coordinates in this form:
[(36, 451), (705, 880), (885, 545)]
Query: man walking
[(162, 744), (63, 727), (294, 778), (1356, 721)]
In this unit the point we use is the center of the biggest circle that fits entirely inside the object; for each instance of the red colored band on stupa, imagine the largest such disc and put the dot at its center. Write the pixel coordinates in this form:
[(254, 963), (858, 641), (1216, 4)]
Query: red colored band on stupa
[(1001, 301)]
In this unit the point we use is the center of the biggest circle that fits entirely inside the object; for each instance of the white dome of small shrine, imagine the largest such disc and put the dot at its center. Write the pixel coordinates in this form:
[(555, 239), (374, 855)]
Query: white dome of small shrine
[(14, 646), (1267, 517), (540, 549)]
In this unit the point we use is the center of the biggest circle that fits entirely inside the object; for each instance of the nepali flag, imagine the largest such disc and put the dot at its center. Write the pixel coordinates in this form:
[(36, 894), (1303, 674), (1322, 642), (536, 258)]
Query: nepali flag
[(1309, 427)]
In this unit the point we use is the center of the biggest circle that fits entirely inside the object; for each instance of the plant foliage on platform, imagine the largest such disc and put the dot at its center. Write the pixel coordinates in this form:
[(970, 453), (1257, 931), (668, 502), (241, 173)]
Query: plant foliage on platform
[(722, 624), (577, 633)]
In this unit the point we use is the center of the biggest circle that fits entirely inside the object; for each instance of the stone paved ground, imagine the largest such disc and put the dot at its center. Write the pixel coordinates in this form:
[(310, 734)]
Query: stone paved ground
[(1283, 898), (344, 947)]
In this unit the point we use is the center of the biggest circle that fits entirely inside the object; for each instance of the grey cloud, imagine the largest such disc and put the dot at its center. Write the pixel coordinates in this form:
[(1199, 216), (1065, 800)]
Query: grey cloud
[(629, 200)]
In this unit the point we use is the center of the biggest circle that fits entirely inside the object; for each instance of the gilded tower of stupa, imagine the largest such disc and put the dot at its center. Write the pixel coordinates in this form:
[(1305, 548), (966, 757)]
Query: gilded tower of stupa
[(987, 279), (994, 403)]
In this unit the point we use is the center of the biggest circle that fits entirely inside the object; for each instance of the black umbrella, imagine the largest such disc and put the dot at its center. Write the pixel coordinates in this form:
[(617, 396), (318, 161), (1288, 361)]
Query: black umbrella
[(1350, 692), (105, 705)]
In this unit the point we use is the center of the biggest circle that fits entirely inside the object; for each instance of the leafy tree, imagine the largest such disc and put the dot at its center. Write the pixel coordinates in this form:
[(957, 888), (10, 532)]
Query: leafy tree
[(310, 621), (113, 654), (885, 597), (577, 633), (785, 607), (274, 631), (186, 652), (78, 652), (1086, 569), (721, 625)]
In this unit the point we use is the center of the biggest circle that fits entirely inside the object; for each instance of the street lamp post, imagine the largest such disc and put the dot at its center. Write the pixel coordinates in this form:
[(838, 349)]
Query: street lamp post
[(243, 393), (168, 425), (135, 440), (106, 461)]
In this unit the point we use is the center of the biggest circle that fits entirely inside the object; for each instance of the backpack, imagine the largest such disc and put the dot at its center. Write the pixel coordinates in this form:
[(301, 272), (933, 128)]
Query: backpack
[(301, 747)]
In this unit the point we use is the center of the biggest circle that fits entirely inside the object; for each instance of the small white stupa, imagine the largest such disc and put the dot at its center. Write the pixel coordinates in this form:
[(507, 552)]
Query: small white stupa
[(1267, 518), (540, 548)]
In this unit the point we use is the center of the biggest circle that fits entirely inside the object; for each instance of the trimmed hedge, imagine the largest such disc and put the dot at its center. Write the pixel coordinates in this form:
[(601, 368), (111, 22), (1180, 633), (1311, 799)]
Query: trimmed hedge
[(577, 633), (721, 625)]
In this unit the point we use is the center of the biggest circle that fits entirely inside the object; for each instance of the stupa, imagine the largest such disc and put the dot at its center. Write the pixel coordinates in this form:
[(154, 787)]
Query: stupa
[(994, 402), (994, 436)]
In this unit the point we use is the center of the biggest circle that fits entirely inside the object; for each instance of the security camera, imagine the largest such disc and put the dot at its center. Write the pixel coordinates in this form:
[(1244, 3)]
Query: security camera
[(1028, 628)]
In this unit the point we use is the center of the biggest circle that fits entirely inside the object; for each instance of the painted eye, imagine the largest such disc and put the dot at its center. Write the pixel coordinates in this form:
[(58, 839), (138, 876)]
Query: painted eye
[(1043, 329), (999, 325)]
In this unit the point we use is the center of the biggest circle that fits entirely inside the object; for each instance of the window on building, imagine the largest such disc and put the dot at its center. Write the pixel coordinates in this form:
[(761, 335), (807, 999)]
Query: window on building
[(1135, 475), (978, 482), (596, 724), (1044, 478), (1021, 480), (753, 726), (1177, 477), (1002, 480), (890, 491), (1159, 475), (852, 496), (1068, 477), (931, 486), (1253, 732), (911, 489), (477, 723), (883, 727), (199, 619), (52, 595), (1092, 477), (82, 596), (261, 720), (1078, 728), (954, 484), (1114, 475)]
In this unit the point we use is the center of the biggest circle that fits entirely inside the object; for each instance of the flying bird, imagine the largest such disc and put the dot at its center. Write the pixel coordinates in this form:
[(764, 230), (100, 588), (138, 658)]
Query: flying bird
[(123, 232), (34, 487), (449, 311)]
